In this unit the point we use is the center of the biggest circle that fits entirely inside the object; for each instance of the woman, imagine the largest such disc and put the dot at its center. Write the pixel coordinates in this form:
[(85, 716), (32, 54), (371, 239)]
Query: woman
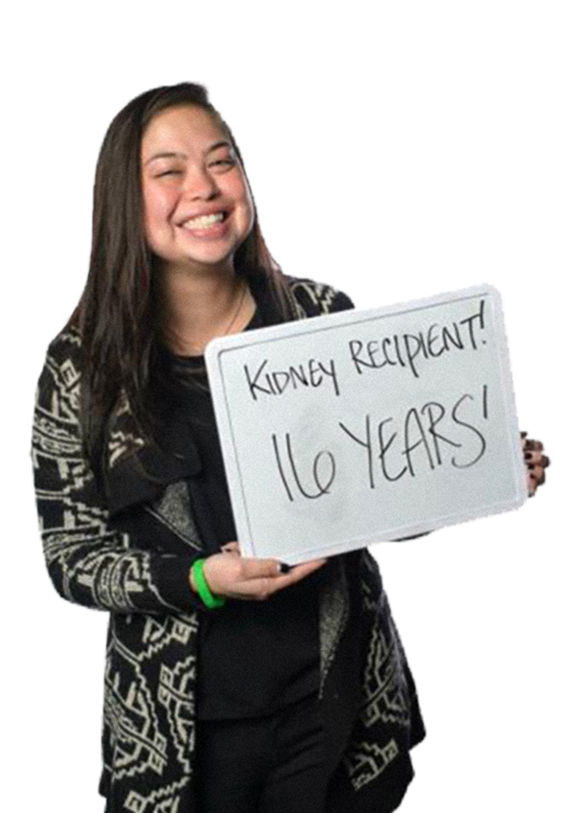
[(231, 684)]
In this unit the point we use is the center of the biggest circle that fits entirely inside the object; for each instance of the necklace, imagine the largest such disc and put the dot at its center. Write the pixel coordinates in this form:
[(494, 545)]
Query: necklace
[(224, 331), (238, 311)]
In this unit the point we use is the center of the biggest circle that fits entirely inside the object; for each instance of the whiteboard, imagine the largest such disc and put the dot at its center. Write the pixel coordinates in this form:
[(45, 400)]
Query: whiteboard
[(363, 426)]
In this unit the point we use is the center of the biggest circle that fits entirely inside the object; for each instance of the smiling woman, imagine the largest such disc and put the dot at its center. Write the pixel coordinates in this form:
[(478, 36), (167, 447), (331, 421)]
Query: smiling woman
[(153, 283), (296, 695), (198, 211)]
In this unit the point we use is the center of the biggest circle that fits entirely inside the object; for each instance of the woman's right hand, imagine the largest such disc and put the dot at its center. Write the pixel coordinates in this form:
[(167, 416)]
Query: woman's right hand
[(234, 576)]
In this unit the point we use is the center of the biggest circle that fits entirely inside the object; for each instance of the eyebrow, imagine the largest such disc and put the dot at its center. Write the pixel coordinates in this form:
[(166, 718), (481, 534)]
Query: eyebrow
[(212, 147)]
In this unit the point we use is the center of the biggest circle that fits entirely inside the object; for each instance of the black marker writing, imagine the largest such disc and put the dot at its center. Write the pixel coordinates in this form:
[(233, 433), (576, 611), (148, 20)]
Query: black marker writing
[(407, 349), (412, 422), (366, 445), (473, 429), (322, 487), (383, 450), (426, 435), (433, 421), (479, 316), (311, 374)]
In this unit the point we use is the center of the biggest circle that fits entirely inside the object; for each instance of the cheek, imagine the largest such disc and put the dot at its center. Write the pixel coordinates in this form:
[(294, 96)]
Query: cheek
[(157, 207), (237, 188), (246, 201)]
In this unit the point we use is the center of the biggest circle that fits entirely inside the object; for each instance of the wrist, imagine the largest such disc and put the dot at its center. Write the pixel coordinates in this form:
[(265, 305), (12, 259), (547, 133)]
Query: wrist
[(193, 586), (192, 578), (206, 579), (199, 585)]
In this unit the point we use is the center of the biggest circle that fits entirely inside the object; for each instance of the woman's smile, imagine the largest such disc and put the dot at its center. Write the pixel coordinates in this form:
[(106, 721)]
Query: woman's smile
[(207, 226)]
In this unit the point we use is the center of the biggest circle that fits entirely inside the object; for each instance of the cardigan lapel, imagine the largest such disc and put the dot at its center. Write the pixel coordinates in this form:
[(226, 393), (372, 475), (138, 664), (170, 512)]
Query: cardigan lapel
[(138, 471)]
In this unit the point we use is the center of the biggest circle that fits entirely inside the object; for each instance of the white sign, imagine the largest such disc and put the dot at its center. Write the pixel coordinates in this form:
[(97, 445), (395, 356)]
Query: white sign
[(343, 430)]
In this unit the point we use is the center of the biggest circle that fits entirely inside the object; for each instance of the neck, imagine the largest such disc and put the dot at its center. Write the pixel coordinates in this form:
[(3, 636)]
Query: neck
[(197, 307)]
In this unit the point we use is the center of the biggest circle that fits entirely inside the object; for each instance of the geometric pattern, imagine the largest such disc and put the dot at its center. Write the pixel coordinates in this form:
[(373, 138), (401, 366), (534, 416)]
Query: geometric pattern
[(149, 731)]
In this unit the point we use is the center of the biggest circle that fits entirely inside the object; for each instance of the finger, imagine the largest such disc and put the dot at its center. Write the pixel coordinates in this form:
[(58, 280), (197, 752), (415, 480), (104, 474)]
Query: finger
[(262, 576), (308, 567), (536, 446), (231, 547), (536, 459), (254, 568), (255, 577), (297, 573), (261, 588), (538, 472), (530, 445), (532, 458)]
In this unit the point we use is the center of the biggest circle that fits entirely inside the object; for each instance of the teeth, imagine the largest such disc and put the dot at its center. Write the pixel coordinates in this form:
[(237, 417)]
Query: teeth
[(204, 221)]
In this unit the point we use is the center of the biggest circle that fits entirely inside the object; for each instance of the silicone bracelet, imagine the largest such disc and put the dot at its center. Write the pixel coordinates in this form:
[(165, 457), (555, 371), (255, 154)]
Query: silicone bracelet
[(212, 602)]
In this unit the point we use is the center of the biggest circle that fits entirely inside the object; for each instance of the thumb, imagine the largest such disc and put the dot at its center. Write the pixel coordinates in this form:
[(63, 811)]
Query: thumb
[(254, 568), (231, 547)]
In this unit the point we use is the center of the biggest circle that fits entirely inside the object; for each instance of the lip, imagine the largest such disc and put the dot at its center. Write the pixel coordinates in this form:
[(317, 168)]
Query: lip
[(211, 232), (205, 212)]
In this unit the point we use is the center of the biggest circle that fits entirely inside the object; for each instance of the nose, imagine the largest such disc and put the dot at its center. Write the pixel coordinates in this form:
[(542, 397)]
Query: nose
[(201, 184)]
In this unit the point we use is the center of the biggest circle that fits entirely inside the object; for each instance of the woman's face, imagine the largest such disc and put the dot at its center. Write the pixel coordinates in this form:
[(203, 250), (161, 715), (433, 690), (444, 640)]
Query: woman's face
[(190, 170)]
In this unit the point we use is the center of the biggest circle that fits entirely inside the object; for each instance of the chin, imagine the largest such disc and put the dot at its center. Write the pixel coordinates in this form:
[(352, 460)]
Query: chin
[(221, 263)]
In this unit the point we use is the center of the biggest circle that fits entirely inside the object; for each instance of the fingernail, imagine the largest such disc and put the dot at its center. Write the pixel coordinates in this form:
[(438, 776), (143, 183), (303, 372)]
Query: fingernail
[(284, 568)]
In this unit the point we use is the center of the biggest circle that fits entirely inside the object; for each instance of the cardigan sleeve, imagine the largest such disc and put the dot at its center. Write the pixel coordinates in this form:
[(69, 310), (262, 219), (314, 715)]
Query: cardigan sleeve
[(90, 562), (341, 302)]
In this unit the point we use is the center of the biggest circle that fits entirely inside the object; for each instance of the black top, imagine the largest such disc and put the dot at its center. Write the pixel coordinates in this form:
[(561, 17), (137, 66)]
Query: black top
[(255, 656)]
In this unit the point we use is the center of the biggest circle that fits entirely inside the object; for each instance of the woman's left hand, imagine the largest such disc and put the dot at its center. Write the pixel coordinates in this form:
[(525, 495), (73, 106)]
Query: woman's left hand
[(535, 461)]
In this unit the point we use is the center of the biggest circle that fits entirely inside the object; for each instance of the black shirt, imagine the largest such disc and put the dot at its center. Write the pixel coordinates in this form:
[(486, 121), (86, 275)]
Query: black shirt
[(254, 656)]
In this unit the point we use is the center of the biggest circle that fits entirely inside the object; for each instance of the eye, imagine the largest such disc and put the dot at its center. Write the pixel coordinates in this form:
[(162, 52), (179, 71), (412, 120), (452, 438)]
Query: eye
[(223, 162)]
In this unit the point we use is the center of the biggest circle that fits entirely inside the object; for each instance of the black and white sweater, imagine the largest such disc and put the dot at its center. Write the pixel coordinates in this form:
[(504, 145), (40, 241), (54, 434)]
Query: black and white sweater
[(127, 549)]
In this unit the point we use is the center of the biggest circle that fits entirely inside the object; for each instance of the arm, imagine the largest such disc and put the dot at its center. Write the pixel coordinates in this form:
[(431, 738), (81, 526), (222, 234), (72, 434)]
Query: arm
[(341, 302), (89, 562)]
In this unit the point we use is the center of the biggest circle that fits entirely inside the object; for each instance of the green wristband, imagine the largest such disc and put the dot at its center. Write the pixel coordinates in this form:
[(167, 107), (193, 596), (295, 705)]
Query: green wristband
[(203, 589)]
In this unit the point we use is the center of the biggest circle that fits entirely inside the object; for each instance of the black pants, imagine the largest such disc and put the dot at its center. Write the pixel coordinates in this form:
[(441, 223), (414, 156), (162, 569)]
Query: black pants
[(270, 764)]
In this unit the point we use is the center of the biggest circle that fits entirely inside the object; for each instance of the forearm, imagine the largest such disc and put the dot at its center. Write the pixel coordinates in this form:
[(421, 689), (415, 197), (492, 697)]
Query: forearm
[(90, 562)]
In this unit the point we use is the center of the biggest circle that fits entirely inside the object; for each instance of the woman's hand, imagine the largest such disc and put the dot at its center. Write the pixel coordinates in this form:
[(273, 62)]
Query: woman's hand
[(234, 576), (536, 463)]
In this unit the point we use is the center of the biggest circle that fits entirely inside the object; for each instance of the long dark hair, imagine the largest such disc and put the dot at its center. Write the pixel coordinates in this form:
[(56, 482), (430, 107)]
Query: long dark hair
[(117, 315)]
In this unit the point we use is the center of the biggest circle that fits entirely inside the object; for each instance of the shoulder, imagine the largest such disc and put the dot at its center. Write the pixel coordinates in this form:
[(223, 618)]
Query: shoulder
[(317, 298), (62, 367), (64, 353)]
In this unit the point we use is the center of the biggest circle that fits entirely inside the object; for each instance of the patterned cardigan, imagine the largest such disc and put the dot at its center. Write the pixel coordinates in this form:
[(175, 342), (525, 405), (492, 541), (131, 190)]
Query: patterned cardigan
[(126, 548)]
